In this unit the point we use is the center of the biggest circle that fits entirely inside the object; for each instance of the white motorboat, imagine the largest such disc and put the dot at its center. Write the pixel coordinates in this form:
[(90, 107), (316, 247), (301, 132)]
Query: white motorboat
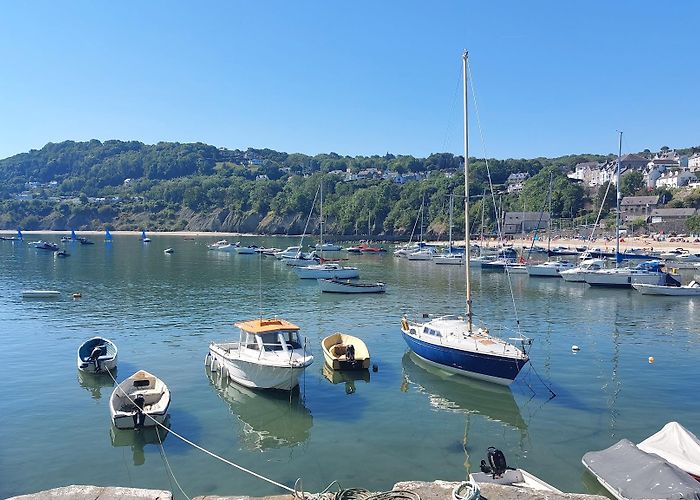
[(692, 289), (141, 400), (270, 354), (516, 268), (302, 260), (327, 247), (333, 285), (245, 250), (576, 274), (423, 254), (345, 352), (454, 259), (550, 268), (97, 355), (688, 257), (288, 253), (327, 270), (480, 260), (648, 273), (168, 250), (40, 294), (217, 245)]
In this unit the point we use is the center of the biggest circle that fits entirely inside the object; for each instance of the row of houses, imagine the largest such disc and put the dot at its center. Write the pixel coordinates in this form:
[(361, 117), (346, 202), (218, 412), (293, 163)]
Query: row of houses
[(665, 169), (649, 208)]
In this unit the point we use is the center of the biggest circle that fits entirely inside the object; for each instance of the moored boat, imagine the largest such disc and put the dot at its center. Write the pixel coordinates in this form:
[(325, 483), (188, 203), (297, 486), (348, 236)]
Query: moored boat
[(40, 294), (144, 238), (327, 270), (97, 355), (345, 352), (333, 285), (142, 400), (576, 274), (495, 470), (449, 259), (270, 354), (551, 268), (649, 273), (692, 289)]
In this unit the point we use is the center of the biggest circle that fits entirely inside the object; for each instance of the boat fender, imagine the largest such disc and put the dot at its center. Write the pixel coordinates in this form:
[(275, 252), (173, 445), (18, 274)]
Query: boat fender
[(404, 324)]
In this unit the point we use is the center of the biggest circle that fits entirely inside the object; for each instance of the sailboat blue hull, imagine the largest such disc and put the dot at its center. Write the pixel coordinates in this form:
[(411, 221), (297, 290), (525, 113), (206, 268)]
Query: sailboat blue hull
[(496, 369)]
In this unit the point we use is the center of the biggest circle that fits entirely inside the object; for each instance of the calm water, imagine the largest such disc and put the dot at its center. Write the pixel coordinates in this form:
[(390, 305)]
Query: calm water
[(405, 422)]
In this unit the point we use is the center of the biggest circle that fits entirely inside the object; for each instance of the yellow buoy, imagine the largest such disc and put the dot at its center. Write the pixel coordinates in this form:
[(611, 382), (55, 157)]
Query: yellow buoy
[(651, 359)]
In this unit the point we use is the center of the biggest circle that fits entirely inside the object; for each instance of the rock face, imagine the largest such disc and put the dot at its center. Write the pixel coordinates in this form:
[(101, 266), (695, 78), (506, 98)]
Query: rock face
[(81, 492)]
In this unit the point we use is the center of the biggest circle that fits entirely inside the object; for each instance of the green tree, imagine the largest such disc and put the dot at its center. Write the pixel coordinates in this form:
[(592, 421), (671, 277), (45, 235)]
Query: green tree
[(631, 183), (693, 224)]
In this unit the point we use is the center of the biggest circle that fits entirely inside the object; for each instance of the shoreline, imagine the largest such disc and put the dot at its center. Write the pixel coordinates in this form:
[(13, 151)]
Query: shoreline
[(633, 242)]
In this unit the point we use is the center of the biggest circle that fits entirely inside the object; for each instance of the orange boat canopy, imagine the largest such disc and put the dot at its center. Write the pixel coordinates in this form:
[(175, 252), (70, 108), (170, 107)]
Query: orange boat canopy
[(260, 326)]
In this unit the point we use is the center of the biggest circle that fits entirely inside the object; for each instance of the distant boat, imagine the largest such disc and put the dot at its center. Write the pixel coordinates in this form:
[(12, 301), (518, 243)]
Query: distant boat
[(40, 294), (345, 352), (551, 268), (692, 289), (334, 285), (44, 245), (62, 253), (327, 270), (84, 241), (108, 236), (144, 238), (141, 400), (19, 234), (327, 247), (97, 355), (577, 273), (168, 250)]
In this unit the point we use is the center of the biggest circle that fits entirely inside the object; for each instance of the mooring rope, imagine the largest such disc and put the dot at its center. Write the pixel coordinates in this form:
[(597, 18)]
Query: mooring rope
[(204, 450)]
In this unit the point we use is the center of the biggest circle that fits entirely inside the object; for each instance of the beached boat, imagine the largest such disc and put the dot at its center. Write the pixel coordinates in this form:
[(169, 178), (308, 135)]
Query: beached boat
[(451, 342), (327, 270), (692, 289), (270, 354), (97, 355), (551, 268), (333, 285), (628, 473), (345, 352), (40, 294), (142, 400)]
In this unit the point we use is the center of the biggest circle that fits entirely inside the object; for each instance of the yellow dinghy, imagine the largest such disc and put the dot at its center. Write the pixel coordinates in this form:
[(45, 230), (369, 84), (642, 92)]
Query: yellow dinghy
[(345, 352)]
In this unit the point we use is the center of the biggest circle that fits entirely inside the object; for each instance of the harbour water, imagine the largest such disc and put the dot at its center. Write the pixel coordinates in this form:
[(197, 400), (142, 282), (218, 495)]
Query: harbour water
[(403, 422)]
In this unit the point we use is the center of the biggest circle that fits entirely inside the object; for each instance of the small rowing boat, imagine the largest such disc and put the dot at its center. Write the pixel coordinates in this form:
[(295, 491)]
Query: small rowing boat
[(141, 400), (345, 352), (333, 285), (97, 355)]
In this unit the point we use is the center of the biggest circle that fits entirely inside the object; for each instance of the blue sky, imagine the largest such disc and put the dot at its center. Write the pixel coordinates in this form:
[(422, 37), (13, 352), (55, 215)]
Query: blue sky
[(360, 77)]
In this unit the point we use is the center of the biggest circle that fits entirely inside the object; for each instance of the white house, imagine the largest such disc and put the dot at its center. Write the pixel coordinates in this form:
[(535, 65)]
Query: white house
[(515, 181), (694, 162), (675, 178)]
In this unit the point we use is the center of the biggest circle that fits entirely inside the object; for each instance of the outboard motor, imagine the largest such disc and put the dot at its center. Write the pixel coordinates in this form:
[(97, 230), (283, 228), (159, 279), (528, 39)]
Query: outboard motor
[(139, 416), (496, 465)]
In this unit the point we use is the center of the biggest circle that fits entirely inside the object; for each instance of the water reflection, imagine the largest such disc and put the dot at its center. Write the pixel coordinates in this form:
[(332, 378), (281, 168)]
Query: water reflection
[(137, 439), (459, 394), (347, 377), (94, 383), (271, 419)]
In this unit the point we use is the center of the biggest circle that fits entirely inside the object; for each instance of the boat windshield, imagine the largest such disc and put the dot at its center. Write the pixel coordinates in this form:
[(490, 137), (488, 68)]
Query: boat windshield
[(271, 341), (293, 339)]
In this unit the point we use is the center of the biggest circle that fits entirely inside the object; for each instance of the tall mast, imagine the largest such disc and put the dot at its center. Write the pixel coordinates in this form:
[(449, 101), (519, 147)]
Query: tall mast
[(467, 250), (549, 222), (617, 216), (452, 204), (422, 205), (321, 218)]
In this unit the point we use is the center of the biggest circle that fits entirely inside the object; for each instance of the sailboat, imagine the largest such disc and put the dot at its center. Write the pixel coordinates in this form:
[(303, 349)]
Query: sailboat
[(108, 236), (551, 268), (451, 342), (327, 270), (451, 257), (648, 273), (424, 251), (144, 238)]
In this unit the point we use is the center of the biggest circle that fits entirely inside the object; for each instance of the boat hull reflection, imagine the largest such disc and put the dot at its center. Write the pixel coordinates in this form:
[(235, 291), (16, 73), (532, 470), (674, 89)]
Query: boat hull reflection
[(459, 394), (138, 439), (271, 419), (95, 382)]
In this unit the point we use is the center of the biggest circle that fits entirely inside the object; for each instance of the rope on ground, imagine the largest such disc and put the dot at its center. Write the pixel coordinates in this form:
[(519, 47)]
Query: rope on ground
[(362, 494), (204, 450)]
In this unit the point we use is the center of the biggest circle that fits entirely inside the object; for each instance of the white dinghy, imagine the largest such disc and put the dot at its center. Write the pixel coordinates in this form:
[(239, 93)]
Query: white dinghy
[(141, 400), (692, 289), (334, 285), (97, 355)]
